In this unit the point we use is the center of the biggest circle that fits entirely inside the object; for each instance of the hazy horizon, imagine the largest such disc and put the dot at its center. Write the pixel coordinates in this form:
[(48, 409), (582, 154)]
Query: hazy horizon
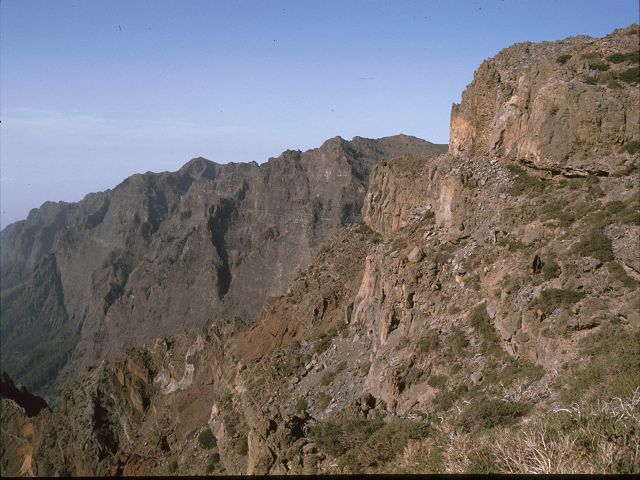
[(92, 92)]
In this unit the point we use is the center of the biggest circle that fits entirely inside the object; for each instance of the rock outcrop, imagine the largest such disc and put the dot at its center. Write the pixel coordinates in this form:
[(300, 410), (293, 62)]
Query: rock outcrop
[(566, 106)]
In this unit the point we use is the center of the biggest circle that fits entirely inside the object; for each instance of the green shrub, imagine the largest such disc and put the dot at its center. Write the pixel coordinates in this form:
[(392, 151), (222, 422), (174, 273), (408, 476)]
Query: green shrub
[(599, 66), (589, 80), (437, 381), (631, 75), (590, 55), (301, 406), (242, 447), (632, 147), (525, 183), (552, 298), (562, 59), (481, 322), (611, 367), (550, 269), (617, 271), (457, 340), (173, 466), (430, 341), (632, 56), (489, 413), (206, 439), (596, 245), (383, 445), (325, 340), (336, 438), (214, 460)]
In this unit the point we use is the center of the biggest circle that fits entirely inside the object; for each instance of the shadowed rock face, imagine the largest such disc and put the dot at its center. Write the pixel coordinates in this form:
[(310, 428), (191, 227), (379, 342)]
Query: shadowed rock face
[(566, 105), (165, 252)]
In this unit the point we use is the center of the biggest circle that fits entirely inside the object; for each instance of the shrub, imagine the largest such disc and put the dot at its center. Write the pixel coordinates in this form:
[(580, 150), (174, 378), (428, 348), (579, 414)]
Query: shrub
[(552, 298), (457, 340), (599, 66), (612, 367), (336, 438), (488, 413), (437, 381), (301, 406), (596, 245), (550, 269), (214, 460), (631, 75), (632, 56), (383, 445), (481, 322), (525, 183), (242, 448), (430, 341), (562, 59), (173, 466), (325, 340), (206, 439), (617, 271), (632, 147), (589, 80)]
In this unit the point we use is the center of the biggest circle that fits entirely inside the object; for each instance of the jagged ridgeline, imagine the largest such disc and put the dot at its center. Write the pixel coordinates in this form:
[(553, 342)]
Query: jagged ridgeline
[(162, 253), (474, 310)]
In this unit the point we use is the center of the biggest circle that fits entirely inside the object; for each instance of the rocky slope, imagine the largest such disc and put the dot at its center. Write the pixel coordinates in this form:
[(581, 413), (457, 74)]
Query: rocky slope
[(483, 317), (162, 253)]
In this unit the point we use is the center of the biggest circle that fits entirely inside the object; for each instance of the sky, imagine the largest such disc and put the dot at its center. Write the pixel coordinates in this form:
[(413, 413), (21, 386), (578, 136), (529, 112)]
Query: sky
[(92, 91)]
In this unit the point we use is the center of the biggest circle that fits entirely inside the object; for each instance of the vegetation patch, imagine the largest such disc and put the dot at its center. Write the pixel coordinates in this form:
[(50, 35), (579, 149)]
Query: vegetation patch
[(562, 59), (596, 245), (630, 75), (335, 438), (525, 183), (487, 413), (551, 269), (632, 147), (383, 445), (437, 381), (430, 341), (206, 439), (553, 298), (325, 340), (618, 273), (632, 56), (611, 367)]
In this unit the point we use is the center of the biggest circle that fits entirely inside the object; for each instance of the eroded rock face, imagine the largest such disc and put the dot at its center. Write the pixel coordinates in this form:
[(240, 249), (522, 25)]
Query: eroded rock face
[(171, 251), (570, 105)]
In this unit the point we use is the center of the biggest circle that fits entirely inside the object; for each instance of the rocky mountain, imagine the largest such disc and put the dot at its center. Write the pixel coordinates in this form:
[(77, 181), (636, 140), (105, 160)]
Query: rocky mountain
[(162, 253), (561, 106), (482, 317)]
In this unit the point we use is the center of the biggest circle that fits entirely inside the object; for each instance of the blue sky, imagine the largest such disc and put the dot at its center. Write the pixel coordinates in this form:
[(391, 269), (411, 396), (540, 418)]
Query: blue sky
[(92, 91)]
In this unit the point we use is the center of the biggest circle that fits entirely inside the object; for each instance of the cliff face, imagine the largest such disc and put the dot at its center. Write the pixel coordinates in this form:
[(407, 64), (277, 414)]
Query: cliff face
[(567, 105), (171, 251)]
